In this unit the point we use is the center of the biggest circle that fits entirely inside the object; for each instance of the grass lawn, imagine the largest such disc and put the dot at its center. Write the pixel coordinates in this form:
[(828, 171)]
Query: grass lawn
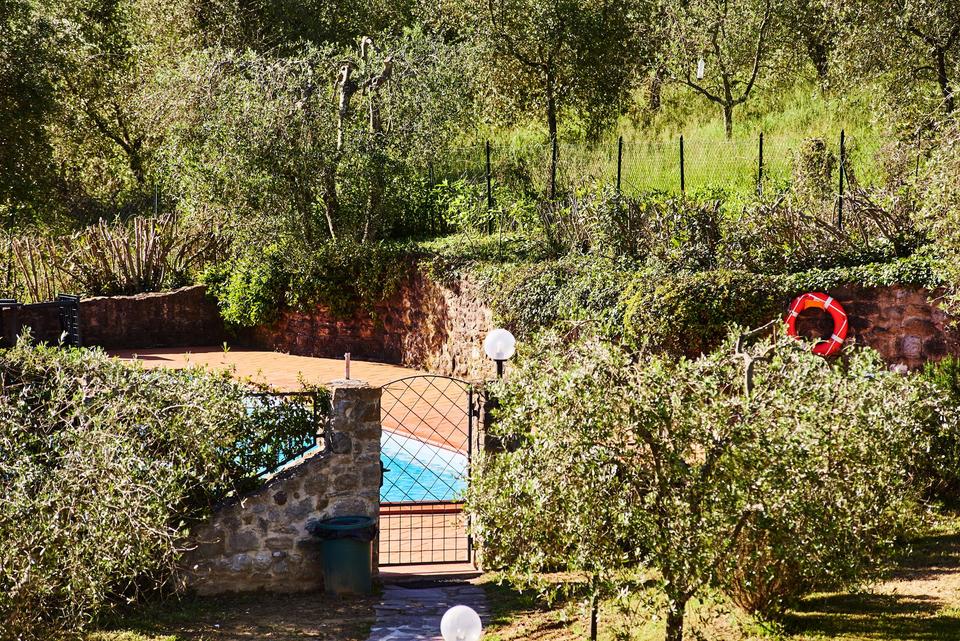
[(299, 617), (918, 600)]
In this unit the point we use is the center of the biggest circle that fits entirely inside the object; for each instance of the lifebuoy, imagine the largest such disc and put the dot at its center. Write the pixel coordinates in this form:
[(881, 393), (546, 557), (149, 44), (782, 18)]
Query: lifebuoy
[(819, 300)]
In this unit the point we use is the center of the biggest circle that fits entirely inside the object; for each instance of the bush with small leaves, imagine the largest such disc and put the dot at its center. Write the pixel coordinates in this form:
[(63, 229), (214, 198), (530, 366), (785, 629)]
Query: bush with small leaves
[(766, 471), (104, 467)]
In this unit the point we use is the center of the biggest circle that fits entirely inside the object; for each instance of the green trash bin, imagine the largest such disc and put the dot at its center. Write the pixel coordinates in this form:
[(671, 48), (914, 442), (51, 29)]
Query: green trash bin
[(347, 553)]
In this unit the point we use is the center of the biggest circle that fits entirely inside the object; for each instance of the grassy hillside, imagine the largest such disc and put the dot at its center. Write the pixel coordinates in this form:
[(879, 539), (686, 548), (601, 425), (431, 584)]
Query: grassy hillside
[(787, 116)]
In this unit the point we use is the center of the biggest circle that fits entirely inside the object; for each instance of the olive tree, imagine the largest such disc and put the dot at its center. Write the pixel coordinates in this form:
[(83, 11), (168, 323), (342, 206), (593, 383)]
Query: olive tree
[(732, 471), (551, 58), (105, 468), (815, 27), (324, 145), (734, 38), (914, 44), (27, 61)]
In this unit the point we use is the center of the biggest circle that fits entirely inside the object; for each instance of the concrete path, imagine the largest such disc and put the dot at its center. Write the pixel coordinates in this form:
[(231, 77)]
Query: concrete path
[(413, 614)]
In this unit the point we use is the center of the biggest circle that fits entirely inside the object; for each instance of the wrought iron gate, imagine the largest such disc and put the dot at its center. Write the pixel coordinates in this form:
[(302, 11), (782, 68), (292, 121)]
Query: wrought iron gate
[(426, 449)]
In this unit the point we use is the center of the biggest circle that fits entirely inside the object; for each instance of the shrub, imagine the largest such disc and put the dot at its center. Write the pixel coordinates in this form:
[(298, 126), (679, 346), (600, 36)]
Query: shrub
[(690, 313), (251, 289), (142, 254), (940, 195), (712, 474), (321, 143), (348, 276), (574, 290), (104, 467), (344, 276), (837, 490), (940, 467)]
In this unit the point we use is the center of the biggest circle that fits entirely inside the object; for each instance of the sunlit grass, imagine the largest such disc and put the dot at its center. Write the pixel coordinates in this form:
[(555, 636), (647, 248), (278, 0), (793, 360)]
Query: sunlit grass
[(787, 117)]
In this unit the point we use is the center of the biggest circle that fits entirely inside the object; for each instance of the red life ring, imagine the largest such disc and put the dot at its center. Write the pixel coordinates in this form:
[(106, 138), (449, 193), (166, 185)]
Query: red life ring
[(833, 344)]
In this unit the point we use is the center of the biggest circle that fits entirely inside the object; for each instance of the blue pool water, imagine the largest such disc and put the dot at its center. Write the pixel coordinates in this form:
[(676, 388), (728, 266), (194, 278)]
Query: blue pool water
[(420, 471)]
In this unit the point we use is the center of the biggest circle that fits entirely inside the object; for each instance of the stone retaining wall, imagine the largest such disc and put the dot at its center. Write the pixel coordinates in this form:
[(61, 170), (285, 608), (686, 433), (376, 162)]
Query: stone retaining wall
[(260, 540), (440, 327), (183, 317), (905, 324), (425, 325)]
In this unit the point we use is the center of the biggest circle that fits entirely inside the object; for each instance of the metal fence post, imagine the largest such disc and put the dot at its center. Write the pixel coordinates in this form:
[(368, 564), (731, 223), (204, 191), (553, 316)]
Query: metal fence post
[(619, 161), (553, 168), (489, 194), (760, 169), (843, 161), (682, 180)]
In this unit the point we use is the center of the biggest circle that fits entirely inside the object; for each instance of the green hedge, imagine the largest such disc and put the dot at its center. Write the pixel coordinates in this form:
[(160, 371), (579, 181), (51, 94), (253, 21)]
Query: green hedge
[(679, 312), (690, 313), (344, 276)]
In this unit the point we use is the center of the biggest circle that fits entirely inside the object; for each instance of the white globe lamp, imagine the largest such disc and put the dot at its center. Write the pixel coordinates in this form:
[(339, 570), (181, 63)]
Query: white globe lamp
[(461, 623), (500, 346)]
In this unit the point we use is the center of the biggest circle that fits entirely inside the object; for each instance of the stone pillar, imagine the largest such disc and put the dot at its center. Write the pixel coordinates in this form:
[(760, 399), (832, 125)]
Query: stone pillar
[(260, 540)]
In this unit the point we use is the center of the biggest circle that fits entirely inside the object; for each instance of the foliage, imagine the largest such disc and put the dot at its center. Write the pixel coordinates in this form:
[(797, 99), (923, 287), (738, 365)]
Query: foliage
[(914, 49), (124, 257), (569, 57), (572, 291), (323, 144), (342, 276), (263, 25), (733, 39), (707, 472), (940, 467), (287, 426), (940, 214), (348, 276), (26, 101), (691, 313), (104, 467), (251, 289)]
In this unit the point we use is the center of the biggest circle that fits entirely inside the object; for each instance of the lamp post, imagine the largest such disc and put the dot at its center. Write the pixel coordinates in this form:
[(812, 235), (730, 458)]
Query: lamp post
[(500, 346)]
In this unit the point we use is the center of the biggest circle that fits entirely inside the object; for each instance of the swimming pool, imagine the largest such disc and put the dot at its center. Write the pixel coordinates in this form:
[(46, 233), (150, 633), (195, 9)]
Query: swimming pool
[(420, 471)]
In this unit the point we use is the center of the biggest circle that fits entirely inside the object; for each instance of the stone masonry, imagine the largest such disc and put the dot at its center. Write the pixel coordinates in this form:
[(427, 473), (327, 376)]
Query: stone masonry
[(260, 540), (184, 317), (905, 324), (425, 325)]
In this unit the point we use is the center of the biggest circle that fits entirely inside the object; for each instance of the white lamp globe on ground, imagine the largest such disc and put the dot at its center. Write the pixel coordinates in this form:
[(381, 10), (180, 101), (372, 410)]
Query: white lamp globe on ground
[(461, 623)]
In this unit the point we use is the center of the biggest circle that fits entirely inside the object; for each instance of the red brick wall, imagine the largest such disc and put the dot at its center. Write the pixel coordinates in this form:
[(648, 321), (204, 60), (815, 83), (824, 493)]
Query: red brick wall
[(179, 318), (440, 328)]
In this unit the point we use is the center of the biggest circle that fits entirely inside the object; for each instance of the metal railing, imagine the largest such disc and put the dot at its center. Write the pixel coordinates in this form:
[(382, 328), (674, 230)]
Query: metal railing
[(294, 425)]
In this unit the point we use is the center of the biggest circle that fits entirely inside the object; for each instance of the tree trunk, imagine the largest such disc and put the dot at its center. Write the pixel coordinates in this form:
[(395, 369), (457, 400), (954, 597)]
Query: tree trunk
[(944, 81), (675, 620), (728, 119), (819, 55), (655, 97), (329, 190), (552, 131)]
